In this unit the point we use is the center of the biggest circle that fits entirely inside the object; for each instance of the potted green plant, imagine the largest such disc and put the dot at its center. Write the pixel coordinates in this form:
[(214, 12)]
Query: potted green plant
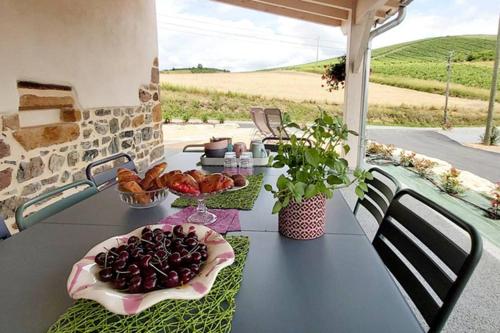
[(315, 169)]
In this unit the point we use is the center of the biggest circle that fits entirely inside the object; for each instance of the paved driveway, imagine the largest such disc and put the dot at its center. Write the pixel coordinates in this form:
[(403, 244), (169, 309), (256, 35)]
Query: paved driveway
[(428, 142)]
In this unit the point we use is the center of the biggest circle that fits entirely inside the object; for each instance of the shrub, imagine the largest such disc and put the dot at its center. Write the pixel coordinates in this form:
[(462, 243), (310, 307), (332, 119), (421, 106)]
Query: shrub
[(186, 117), (494, 210), (407, 159), (167, 118), (494, 138), (287, 118), (381, 150), (451, 183), (204, 118), (221, 118), (423, 166)]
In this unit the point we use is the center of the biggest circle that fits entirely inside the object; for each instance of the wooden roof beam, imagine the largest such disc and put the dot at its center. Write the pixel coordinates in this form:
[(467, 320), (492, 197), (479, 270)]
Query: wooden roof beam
[(272, 9), (342, 4), (309, 7)]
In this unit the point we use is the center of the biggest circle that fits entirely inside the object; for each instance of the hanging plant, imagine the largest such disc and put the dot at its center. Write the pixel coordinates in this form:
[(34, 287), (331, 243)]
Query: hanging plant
[(334, 75)]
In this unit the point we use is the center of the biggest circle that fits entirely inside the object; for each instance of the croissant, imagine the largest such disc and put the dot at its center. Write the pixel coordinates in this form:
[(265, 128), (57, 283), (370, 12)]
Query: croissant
[(151, 174), (215, 182), (156, 184), (167, 178), (184, 183), (198, 175), (126, 175), (134, 187)]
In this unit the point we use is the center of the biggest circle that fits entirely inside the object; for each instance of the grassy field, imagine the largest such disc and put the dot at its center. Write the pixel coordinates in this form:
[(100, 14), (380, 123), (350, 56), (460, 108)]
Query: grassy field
[(190, 103), (421, 65), (194, 70)]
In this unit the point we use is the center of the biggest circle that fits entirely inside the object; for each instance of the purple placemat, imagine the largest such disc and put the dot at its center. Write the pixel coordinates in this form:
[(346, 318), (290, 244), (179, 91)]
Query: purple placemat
[(227, 219)]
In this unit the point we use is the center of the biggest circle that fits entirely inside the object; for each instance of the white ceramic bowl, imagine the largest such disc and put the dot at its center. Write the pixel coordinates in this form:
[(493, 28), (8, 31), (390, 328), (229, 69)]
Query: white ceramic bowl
[(84, 283)]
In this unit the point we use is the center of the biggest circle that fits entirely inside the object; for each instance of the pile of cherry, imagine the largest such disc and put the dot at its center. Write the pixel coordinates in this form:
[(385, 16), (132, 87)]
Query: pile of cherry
[(157, 260)]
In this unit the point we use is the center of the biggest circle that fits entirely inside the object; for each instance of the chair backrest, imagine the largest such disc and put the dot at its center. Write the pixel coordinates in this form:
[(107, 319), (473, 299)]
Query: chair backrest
[(432, 268), (24, 222), (274, 121), (259, 119), (381, 190), (194, 148), (107, 177), (4, 231)]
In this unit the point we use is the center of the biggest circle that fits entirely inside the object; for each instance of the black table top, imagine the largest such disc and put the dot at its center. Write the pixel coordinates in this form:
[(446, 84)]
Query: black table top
[(334, 283)]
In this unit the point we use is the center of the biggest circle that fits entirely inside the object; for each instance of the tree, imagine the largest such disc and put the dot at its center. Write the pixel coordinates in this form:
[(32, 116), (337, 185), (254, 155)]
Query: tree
[(200, 66)]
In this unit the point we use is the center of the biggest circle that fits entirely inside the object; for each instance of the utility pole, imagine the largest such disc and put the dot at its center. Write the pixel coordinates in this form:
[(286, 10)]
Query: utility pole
[(317, 50), (447, 93), (493, 91)]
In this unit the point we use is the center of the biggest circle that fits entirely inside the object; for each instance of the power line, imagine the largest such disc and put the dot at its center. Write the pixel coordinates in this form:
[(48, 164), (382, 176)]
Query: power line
[(197, 32), (247, 29)]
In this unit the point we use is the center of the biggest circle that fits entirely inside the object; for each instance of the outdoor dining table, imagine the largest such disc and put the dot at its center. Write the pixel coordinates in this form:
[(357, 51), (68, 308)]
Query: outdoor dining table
[(336, 283)]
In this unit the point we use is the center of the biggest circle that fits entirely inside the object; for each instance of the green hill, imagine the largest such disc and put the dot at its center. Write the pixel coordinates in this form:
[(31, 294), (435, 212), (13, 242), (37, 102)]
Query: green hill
[(421, 65)]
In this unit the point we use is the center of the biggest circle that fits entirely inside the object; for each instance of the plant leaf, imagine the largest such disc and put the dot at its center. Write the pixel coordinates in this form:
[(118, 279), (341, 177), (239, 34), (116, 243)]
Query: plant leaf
[(310, 191), (282, 182), (359, 192), (268, 187), (312, 157), (277, 207), (334, 180)]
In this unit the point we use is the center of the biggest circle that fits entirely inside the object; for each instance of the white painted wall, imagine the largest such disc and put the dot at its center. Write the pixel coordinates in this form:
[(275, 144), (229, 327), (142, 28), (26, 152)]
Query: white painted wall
[(103, 48)]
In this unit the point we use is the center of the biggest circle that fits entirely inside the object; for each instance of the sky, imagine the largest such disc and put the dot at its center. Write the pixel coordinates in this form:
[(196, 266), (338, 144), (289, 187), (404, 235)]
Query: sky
[(192, 32)]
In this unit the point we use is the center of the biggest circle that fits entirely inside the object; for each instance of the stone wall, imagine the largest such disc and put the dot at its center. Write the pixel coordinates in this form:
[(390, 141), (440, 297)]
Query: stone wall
[(37, 159)]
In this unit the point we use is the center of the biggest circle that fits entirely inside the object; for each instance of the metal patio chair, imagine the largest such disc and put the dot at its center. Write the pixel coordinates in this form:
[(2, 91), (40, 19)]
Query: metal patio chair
[(431, 268), (107, 178), (259, 119), (24, 222), (4, 231), (381, 190)]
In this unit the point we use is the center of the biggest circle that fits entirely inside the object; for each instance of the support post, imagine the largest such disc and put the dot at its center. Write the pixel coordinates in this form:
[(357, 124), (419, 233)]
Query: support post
[(357, 42), (493, 91)]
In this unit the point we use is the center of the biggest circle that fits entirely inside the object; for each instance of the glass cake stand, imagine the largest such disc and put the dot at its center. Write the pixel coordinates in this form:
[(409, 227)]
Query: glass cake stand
[(201, 215)]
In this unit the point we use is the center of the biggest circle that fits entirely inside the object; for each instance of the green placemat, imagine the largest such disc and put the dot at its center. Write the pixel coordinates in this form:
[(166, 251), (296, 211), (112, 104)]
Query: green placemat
[(242, 199), (212, 313)]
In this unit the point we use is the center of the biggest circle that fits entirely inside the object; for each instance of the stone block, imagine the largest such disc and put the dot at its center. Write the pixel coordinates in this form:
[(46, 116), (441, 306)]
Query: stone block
[(31, 188), (56, 162), (144, 95), (105, 140), (114, 146), (101, 127), (70, 115), (51, 180), (10, 121), (155, 62), (8, 206), (157, 113), (147, 133), (155, 75), (117, 112), (4, 149), (33, 102), (102, 112), (73, 158), (44, 136), (113, 126), (30, 170), (156, 96), (5, 178), (86, 114), (65, 176), (89, 155), (126, 134), (138, 120), (127, 143), (87, 132), (125, 122), (157, 153), (79, 175)]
